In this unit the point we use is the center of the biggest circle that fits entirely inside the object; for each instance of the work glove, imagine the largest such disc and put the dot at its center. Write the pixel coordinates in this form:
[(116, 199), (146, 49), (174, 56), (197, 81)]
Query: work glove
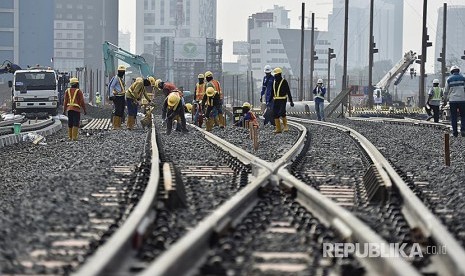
[(292, 104), (261, 98), (163, 122)]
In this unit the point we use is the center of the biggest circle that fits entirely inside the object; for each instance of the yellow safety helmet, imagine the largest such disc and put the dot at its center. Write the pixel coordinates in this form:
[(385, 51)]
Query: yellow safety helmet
[(152, 81), (157, 82), (121, 68), (73, 80), (173, 99), (277, 70), (246, 104), (210, 92), (189, 107), (200, 76), (208, 74), (139, 79)]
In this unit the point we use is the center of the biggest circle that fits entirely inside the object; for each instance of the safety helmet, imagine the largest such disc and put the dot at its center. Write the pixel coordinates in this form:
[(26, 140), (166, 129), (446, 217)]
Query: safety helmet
[(200, 76), (436, 81), (139, 79), (73, 80), (454, 68), (208, 74), (277, 70), (173, 99), (152, 81), (157, 82), (97, 93), (267, 69), (246, 104), (320, 81), (210, 92), (121, 68), (189, 107)]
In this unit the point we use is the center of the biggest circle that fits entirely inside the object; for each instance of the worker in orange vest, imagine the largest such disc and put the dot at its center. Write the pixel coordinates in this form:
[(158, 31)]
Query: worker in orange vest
[(73, 102), (217, 87), (166, 87)]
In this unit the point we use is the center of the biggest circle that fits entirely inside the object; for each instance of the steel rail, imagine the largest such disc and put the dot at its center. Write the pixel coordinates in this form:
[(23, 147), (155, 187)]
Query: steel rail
[(415, 212)]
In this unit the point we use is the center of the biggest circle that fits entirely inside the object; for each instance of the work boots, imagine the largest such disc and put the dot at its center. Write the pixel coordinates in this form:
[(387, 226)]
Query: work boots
[(209, 124), (70, 133), (116, 122), (131, 122), (277, 122), (221, 119), (75, 132), (285, 127)]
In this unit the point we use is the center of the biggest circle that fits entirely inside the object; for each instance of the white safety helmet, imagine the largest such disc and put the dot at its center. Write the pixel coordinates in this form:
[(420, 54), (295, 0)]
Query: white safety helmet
[(320, 81), (267, 69), (454, 68), (436, 81)]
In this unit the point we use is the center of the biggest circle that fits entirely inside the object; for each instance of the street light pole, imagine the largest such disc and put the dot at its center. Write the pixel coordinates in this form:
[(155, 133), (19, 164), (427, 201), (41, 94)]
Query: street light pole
[(331, 55)]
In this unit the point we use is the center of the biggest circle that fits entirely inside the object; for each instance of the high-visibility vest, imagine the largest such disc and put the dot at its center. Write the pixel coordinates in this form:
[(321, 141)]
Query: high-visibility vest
[(216, 85), (98, 99), (436, 93), (276, 92), (199, 91), (73, 98)]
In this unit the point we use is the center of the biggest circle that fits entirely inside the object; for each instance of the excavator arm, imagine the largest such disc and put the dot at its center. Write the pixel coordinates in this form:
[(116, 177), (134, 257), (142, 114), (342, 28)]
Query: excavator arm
[(112, 52), (397, 72), (9, 67)]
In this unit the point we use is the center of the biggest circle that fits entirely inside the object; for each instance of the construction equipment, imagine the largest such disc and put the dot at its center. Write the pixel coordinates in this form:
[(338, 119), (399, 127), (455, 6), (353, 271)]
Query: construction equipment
[(381, 89), (9, 67), (112, 52)]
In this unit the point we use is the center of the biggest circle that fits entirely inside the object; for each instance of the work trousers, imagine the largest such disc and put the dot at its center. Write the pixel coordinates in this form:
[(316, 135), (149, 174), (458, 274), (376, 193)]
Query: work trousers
[(436, 113), (74, 118), (119, 103), (279, 108), (132, 107), (460, 106)]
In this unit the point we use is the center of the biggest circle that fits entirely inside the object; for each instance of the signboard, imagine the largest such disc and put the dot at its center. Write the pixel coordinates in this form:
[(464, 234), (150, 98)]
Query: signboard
[(240, 48), (190, 49)]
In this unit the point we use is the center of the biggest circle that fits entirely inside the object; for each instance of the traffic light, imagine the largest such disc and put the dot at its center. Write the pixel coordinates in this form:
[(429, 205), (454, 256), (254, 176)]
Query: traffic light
[(331, 54), (418, 60), (428, 44), (315, 57), (463, 57), (412, 72), (440, 58), (374, 48)]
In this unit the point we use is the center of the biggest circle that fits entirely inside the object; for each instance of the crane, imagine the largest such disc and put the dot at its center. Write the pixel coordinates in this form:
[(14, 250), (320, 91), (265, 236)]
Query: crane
[(111, 51)]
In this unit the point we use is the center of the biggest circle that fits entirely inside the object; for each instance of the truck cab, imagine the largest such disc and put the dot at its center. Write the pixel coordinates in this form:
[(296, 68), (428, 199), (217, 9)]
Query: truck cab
[(34, 91)]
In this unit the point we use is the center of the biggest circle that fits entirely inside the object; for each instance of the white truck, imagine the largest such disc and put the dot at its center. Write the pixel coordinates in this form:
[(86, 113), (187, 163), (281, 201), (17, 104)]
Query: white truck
[(34, 90)]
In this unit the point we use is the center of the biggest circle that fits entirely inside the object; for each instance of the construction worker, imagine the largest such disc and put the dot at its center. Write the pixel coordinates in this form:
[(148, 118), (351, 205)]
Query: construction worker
[(134, 95), (117, 91), (319, 93), (197, 115), (211, 100), (98, 99), (200, 88), (247, 115), (281, 92), (455, 94), (217, 87), (435, 95), (166, 87), (173, 107), (267, 91), (73, 102)]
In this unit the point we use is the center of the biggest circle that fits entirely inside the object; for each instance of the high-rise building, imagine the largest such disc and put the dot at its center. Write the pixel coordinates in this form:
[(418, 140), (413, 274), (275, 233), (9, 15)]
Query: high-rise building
[(9, 34), (124, 40), (80, 28), (455, 36), (387, 31), (173, 18)]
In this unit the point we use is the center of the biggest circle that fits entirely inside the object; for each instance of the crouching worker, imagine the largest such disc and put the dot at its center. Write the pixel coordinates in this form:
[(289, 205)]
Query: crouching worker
[(247, 115), (210, 103), (173, 107), (73, 102), (134, 95)]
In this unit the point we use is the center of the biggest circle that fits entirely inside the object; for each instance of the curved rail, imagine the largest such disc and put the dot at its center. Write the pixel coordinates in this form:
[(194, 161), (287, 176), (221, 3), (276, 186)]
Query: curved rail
[(8, 128), (187, 254), (118, 247), (416, 213)]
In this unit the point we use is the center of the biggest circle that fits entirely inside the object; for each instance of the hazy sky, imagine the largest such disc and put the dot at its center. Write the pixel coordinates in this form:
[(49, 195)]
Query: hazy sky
[(232, 20)]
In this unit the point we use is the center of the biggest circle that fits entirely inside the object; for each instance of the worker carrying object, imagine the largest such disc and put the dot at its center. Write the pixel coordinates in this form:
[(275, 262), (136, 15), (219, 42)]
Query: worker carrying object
[(210, 103), (435, 95), (165, 87), (281, 92), (247, 115), (116, 92), (319, 93), (73, 102), (98, 99), (454, 93), (267, 92), (134, 95), (173, 108), (217, 87)]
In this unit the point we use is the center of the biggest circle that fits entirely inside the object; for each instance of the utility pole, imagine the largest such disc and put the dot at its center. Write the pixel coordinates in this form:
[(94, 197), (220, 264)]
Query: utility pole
[(331, 55), (372, 50), (313, 56), (442, 59), (344, 69), (424, 45), (301, 81)]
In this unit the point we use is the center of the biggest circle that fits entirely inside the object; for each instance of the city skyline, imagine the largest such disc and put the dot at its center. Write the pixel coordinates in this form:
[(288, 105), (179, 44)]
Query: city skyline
[(232, 22)]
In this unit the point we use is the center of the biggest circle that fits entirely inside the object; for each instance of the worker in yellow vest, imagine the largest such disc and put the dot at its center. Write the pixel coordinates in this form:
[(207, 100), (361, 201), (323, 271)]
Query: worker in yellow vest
[(73, 102), (98, 99)]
